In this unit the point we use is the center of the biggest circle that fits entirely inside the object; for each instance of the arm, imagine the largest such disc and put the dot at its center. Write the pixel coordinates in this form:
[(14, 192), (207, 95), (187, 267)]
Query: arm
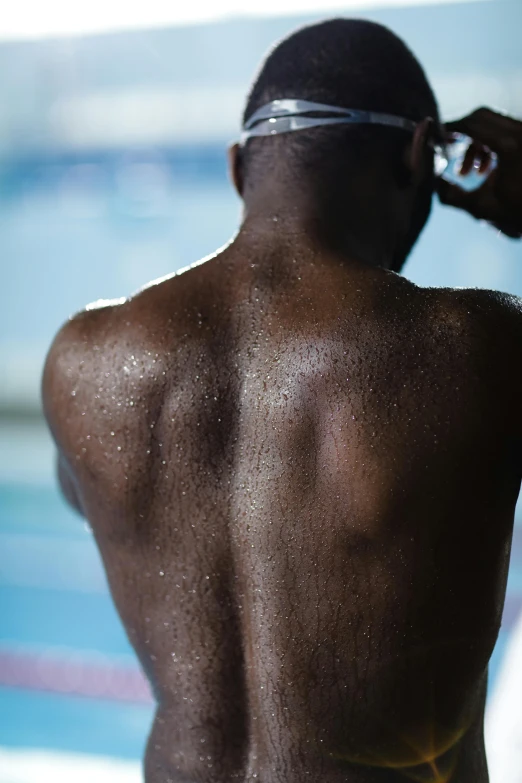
[(75, 395), (55, 406), (499, 199), (67, 484)]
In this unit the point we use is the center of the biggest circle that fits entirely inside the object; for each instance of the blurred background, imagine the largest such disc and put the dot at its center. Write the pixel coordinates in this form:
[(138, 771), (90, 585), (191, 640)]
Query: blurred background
[(113, 129)]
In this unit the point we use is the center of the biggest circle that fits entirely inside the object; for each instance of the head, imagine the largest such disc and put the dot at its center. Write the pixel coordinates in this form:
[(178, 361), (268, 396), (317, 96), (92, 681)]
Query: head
[(373, 178)]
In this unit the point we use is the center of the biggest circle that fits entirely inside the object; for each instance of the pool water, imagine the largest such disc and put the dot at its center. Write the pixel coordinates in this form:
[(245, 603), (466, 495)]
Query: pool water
[(69, 679)]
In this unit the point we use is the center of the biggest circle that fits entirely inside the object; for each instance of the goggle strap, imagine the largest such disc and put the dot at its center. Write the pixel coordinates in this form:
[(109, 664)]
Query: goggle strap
[(293, 107)]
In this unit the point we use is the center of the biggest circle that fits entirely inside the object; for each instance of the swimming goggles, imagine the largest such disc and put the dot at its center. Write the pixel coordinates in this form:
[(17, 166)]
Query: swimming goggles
[(291, 114)]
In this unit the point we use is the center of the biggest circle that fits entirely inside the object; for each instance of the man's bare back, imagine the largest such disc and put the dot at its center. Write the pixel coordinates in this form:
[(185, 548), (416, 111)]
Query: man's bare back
[(301, 474)]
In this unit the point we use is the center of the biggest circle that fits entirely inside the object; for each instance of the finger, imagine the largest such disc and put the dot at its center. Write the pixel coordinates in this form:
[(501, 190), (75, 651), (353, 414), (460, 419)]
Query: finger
[(468, 162), (483, 161), (477, 156), (498, 131), (485, 120), (481, 157)]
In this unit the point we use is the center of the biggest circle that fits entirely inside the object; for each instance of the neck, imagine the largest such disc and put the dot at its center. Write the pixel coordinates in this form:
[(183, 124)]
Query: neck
[(362, 229)]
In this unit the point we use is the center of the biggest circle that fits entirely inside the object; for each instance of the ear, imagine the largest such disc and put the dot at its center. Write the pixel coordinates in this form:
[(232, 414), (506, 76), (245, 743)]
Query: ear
[(235, 168), (416, 152)]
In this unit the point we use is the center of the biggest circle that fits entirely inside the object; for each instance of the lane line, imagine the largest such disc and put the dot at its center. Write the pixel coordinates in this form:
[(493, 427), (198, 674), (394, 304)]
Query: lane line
[(72, 676)]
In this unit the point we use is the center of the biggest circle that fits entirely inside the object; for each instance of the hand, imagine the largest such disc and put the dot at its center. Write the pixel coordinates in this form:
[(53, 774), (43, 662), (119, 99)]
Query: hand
[(499, 199)]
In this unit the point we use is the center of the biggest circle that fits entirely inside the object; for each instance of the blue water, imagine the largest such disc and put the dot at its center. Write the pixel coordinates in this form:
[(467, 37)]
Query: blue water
[(46, 608), (54, 599), (66, 723)]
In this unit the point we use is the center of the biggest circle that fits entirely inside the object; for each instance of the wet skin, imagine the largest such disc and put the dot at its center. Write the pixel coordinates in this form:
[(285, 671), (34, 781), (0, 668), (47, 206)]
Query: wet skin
[(301, 473)]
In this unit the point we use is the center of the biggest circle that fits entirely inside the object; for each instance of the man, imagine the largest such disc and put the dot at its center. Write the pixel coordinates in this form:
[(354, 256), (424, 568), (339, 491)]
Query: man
[(300, 468)]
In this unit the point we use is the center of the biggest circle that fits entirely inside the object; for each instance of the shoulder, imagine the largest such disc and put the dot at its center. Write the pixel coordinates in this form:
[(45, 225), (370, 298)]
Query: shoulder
[(486, 326), (114, 354), (103, 333), (75, 353), (495, 310), (485, 300), (80, 338), (103, 388)]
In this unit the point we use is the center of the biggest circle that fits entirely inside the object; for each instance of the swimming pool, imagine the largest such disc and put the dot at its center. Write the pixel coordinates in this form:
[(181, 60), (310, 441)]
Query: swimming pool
[(69, 680)]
